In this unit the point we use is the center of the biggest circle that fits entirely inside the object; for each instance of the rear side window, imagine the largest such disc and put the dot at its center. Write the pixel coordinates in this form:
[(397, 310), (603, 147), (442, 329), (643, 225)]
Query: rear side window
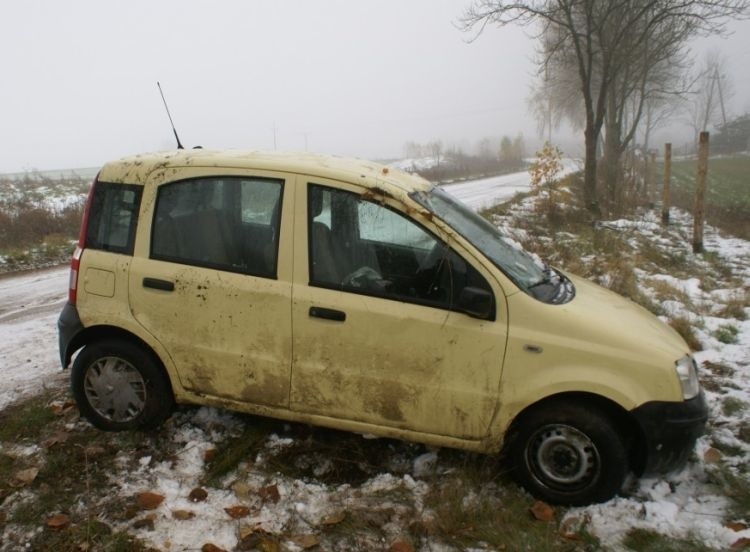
[(227, 223), (113, 217)]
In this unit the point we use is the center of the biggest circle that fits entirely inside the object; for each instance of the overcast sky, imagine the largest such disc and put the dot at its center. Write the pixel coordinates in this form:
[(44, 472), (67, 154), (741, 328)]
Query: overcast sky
[(78, 78)]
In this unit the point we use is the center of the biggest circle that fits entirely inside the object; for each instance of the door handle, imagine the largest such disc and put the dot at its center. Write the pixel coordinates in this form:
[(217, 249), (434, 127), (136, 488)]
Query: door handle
[(327, 314), (156, 283)]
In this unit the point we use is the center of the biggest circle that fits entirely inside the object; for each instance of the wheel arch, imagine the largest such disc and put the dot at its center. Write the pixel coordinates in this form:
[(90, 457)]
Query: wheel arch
[(95, 334), (630, 430)]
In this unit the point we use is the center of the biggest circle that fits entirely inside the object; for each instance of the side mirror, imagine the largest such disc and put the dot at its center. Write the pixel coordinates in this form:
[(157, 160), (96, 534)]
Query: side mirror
[(476, 302)]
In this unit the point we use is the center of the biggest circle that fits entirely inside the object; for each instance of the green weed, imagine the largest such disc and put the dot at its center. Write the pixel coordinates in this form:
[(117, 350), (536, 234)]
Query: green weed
[(646, 540), (726, 334)]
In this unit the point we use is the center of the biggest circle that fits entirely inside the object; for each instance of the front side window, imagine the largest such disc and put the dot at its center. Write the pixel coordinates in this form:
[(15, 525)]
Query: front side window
[(113, 216), (227, 223), (360, 246)]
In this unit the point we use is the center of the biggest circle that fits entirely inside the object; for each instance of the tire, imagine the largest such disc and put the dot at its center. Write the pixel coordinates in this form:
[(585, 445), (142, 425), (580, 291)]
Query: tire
[(571, 454), (120, 386)]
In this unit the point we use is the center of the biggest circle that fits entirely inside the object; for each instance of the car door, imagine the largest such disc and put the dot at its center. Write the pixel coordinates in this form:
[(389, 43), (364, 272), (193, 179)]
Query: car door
[(375, 336), (211, 280)]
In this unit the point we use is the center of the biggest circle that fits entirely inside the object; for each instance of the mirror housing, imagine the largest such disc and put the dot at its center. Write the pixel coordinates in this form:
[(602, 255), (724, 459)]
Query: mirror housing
[(477, 303)]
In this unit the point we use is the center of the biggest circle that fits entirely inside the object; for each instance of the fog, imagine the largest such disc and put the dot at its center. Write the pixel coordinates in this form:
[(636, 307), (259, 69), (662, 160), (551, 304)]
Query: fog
[(353, 78)]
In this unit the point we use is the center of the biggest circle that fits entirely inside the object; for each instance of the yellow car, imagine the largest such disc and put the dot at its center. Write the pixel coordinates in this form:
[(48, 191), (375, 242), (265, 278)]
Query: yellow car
[(341, 293)]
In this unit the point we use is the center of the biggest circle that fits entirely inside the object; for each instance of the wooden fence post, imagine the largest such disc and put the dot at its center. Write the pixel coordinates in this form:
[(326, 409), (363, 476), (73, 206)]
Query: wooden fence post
[(700, 193), (665, 185)]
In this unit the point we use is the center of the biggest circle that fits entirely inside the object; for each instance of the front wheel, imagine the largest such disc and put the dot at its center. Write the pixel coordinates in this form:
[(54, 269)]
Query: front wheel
[(119, 386), (568, 454)]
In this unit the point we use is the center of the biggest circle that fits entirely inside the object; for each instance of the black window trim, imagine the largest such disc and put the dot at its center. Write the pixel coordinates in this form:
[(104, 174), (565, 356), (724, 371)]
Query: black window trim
[(219, 266), (452, 307)]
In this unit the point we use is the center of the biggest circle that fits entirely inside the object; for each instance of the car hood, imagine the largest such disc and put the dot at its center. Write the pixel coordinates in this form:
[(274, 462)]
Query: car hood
[(601, 312), (597, 321)]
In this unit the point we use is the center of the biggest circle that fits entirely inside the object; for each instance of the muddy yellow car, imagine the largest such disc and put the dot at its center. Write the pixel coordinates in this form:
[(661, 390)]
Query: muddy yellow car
[(340, 293)]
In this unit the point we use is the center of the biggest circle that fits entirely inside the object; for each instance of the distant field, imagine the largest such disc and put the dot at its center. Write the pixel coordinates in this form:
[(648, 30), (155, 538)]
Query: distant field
[(39, 219), (727, 191)]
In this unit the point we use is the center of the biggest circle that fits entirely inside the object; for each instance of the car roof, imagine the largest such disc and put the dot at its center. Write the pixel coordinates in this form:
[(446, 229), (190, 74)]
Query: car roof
[(380, 178)]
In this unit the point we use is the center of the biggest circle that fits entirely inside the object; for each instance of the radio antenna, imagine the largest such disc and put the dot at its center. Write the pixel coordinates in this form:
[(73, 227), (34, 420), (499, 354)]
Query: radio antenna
[(179, 145)]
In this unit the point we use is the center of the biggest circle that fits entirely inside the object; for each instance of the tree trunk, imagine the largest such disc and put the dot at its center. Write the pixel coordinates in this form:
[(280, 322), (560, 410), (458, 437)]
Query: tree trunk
[(589, 171)]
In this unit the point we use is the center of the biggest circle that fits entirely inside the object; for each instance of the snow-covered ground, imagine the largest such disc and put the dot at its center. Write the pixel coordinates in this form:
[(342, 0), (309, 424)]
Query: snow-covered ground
[(683, 504), (486, 192), (29, 307)]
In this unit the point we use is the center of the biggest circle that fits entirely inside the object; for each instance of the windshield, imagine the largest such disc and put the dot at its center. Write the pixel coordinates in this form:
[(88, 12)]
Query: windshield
[(507, 255)]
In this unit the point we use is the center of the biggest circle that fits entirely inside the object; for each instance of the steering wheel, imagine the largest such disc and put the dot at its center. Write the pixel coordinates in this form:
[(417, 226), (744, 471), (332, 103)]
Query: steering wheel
[(365, 278)]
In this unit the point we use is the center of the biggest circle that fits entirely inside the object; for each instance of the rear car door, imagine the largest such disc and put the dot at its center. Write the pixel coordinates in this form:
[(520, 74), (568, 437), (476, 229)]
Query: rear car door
[(211, 280)]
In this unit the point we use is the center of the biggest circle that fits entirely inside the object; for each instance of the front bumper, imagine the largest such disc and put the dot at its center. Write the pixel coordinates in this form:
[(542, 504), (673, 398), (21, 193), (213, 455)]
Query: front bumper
[(68, 327), (669, 431)]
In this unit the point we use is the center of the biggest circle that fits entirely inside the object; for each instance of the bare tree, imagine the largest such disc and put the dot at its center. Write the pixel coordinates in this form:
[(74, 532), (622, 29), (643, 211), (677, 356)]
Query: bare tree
[(604, 37), (712, 89)]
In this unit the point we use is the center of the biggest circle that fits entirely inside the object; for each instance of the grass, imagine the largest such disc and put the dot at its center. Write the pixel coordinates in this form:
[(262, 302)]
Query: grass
[(684, 327), (39, 219), (727, 200), (26, 420), (70, 479), (466, 513), (735, 487), (732, 406), (646, 540), (230, 453), (726, 333), (735, 307)]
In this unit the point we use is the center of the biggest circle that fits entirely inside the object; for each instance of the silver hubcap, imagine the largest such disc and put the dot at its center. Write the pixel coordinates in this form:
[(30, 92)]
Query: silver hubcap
[(115, 389), (562, 457)]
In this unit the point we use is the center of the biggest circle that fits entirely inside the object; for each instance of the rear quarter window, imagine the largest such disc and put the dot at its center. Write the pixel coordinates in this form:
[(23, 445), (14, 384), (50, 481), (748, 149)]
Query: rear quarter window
[(113, 217)]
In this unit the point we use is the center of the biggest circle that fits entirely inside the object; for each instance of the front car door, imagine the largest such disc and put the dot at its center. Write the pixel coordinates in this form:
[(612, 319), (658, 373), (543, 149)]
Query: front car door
[(375, 336), (212, 281)]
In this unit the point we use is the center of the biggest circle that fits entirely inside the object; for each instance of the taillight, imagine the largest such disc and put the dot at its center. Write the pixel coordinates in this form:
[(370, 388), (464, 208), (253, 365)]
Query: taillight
[(76, 261), (73, 285)]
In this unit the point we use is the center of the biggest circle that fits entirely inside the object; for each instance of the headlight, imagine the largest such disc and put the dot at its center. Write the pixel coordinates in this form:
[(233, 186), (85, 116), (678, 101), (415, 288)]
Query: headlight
[(687, 371)]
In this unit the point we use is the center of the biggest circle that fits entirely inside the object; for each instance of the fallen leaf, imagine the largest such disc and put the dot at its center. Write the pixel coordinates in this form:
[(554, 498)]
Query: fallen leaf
[(198, 495), (58, 522), (94, 450), (247, 530), (241, 490), (149, 501), (182, 515), (56, 438), (744, 542), (3, 517), (711, 456), (305, 541), (400, 546), (25, 477), (542, 511), (209, 454), (237, 512), (56, 409), (255, 538), (208, 547), (271, 492), (130, 511), (145, 523), (735, 526), (334, 518), (268, 545), (569, 528)]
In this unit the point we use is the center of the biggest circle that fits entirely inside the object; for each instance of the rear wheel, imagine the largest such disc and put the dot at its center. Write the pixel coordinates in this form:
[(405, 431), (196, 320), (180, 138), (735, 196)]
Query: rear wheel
[(568, 454), (120, 386)]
